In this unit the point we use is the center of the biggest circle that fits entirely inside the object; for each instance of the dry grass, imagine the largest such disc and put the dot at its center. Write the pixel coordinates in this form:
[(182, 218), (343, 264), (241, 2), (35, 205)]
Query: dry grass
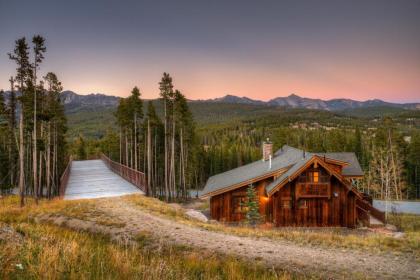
[(328, 237), (50, 252)]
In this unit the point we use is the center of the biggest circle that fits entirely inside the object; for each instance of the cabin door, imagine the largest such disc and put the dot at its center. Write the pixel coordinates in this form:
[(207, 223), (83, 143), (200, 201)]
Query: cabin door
[(312, 212)]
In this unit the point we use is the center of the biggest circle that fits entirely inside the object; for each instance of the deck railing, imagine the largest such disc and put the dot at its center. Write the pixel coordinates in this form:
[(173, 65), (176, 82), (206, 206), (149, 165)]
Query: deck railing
[(133, 176), (312, 190), (64, 179)]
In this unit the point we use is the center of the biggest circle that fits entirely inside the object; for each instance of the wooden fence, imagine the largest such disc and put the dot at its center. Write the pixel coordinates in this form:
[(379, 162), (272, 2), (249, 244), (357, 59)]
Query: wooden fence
[(133, 176), (65, 179)]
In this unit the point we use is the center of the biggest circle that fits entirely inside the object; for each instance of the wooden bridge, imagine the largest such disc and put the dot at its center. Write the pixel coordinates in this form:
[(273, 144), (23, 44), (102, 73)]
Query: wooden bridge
[(100, 178)]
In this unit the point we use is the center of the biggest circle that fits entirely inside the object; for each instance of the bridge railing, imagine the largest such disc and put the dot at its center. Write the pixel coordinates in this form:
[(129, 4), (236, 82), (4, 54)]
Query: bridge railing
[(64, 179), (133, 176)]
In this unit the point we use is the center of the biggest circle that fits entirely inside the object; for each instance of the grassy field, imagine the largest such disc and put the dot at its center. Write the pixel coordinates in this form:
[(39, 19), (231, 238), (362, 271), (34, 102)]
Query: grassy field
[(40, 251), (29, 250)]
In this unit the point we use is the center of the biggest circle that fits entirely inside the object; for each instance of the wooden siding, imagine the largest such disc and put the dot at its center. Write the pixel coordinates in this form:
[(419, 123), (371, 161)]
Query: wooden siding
[(221, 206)]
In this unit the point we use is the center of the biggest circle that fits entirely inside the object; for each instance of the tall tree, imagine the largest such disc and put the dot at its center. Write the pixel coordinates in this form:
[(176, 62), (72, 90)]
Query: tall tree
[(12, 131), (54, 115), (23, 76), (166, 93), (135, 105), (39, 50)]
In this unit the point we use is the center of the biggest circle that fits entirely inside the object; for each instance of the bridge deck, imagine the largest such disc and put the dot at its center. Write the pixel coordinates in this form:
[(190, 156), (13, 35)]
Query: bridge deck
[(93, 179)]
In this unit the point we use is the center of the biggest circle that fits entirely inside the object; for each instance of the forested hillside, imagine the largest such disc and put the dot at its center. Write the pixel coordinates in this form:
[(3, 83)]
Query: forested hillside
[(229, 135)]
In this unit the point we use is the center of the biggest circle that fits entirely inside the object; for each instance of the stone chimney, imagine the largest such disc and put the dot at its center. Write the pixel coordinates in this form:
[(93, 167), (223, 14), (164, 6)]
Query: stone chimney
[(267, 149)]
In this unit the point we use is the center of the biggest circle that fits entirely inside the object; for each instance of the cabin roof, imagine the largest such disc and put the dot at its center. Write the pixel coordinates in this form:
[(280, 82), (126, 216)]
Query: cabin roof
[(353, 168), (286, 157)]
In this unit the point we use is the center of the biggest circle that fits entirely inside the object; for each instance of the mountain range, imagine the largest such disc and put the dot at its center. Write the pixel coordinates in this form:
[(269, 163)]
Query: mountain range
[(295, 101), (73, 101)]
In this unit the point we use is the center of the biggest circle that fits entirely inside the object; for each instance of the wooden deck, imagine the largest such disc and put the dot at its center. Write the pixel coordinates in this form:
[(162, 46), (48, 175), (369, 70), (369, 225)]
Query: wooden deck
[(92, 179)]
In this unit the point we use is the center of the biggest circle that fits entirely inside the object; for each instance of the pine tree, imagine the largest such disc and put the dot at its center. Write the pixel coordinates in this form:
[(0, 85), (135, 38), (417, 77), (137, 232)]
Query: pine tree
[(39, 50), (4, 163), (23, 76), (252, 214), (135, 107), (81, 148), (166, 93), (358, 150), (12, 132)]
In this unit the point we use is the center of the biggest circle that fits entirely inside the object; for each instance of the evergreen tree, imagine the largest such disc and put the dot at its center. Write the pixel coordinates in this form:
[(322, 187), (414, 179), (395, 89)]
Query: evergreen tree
[(358, 150), (23, 76), (413, 165), (166, 93), (39, 50), (11, 109), (4, 162), (252, 204), (81, 148)]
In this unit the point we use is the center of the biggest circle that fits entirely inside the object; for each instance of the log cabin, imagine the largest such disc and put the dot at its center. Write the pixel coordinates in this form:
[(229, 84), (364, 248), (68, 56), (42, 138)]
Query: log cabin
[(294, 188)]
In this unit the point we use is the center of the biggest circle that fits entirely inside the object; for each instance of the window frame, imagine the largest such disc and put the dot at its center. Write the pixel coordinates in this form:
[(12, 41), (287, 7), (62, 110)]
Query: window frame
[(238, 206)]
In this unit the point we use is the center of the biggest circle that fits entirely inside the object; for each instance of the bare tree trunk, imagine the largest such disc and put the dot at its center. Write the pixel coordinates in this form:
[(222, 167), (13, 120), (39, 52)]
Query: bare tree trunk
[(135, 142), (12, 136), (126, 149), (35, 151), (48, 162), (166, 153), (41, 156), (55, 162), (172, 170), (149, 159), (21, 160), (183, 165), (394, 171), (131, 149), (155, 168), (120, 145)]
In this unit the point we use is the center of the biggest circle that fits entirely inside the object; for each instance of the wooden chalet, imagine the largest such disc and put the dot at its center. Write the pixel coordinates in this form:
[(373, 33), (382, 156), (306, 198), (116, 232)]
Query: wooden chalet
[(295, 188)]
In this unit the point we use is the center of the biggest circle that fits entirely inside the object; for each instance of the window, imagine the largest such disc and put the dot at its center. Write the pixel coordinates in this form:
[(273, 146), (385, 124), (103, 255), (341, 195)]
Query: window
[(315, 177), (239, 204)]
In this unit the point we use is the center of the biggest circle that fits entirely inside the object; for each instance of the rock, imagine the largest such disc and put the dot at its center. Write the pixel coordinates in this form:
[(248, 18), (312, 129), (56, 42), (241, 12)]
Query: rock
[(9, 235), (196, 215), (391, 227), (398, 234)]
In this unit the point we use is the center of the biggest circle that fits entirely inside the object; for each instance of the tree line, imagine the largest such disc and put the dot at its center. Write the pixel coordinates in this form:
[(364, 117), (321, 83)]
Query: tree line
[(390, 162), (32, 126)]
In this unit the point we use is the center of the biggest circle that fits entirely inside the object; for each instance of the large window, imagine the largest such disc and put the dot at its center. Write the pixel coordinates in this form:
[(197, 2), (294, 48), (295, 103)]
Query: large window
[(239, 204), (315, 176)]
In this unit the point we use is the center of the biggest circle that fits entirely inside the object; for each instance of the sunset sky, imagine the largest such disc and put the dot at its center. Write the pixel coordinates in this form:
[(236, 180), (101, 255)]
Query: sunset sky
[(260, 49)]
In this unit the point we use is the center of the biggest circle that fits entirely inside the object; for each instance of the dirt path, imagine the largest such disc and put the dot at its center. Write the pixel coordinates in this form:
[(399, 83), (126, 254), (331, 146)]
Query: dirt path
[(299, 258)]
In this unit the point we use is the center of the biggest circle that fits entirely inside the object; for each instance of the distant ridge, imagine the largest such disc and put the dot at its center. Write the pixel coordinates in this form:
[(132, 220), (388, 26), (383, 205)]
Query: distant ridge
[(73, 100), (295, 101)]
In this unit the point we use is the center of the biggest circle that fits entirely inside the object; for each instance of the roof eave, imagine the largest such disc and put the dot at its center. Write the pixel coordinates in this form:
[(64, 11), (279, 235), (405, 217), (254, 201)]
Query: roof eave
[(243, 183)]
